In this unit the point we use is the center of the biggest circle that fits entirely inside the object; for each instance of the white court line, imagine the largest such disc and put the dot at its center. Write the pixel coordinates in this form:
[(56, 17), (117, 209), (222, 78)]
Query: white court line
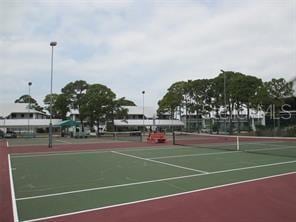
[(7, 144), (226, 152), (106, 187), (103, 150), (61, 153), (13, 199), (276, 148), (159, 197), (153, 181), (234, 136), (63, 141), (159, 162), (195, 154), (278, 144)]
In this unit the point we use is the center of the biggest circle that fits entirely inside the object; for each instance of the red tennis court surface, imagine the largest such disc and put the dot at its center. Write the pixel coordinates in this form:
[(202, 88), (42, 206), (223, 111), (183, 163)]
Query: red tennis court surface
[(80, 147), (5, 192), (271, 200)]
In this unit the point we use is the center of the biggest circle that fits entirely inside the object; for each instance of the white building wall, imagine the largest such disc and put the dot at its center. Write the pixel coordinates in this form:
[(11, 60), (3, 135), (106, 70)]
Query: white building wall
[(23, 123)]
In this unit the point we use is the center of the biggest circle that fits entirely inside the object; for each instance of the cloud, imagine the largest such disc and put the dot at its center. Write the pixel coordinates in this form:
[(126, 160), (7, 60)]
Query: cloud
[(136, 45)]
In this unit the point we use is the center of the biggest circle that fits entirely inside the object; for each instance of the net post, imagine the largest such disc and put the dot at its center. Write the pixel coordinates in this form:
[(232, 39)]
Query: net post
[(174, 138), (237, 143)]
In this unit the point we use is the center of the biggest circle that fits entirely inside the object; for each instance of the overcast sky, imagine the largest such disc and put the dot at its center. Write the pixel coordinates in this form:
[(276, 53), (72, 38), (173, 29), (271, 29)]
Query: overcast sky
[(131, 46)]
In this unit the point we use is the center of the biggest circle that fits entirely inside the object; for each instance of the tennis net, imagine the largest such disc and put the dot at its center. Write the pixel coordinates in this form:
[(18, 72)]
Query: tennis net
[(279, 146), (122, 136)]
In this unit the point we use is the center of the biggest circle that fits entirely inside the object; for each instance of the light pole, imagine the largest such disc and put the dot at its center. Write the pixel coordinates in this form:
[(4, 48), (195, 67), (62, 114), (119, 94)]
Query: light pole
[(29, 84), (143, 92), (224, 99), (52, 44)]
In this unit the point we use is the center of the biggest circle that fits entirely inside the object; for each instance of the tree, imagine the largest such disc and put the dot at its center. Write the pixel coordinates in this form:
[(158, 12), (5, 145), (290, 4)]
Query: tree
[(75, 91), (28, 99), (25, 99), (172, 99), (201, 97), (230, 93), (242, 91), (125, 102), (47, 100), (60, 105), (168, 104), (118, 111), (277, 90), (251, 93), (97, 103)]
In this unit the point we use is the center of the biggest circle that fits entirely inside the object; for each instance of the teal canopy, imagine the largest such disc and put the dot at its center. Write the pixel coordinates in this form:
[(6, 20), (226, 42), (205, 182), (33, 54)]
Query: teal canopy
[(68, 123)]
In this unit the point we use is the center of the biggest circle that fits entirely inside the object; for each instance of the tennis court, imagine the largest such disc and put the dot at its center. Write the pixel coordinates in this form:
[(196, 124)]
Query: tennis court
[(50, 185)]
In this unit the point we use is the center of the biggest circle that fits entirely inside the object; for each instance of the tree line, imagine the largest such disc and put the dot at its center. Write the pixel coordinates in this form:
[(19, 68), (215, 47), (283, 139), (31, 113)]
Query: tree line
[(95, 103), (228, 93)]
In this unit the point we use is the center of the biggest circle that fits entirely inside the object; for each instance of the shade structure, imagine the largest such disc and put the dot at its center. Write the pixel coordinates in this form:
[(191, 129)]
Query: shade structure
[(68, 123)]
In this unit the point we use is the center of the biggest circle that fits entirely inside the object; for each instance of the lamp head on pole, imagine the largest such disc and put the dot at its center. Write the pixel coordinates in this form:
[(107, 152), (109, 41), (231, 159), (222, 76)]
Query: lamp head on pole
[(222, 70), (53, 43), (29, 83), (143, 92)]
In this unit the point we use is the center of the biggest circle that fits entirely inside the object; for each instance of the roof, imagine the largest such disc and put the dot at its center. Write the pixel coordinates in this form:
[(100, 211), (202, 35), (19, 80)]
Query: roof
[(73, 112), (7, 108), (149, 111), (68, 123), (139, 122)]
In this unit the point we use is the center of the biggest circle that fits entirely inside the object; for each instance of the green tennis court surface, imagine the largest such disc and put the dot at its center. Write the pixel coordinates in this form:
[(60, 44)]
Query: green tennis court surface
[(48, 185)]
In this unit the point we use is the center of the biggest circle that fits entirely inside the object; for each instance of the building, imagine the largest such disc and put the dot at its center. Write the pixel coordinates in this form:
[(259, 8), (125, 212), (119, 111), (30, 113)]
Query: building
[(137, 119), (19, 118), (140, 117)]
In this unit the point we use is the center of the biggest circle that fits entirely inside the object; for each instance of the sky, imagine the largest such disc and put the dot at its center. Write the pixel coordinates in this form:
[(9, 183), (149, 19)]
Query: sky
[(131, 46)]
